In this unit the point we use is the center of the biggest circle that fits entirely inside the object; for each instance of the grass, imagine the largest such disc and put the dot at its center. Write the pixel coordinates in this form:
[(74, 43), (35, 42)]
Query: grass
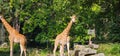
[(38, 52), (30, 52), (109, 49), (4, 52)]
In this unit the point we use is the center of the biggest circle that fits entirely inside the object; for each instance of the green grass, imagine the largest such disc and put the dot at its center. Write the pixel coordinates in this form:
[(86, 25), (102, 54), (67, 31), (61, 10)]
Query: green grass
[(109, 49), (4, 51), (38, 52)]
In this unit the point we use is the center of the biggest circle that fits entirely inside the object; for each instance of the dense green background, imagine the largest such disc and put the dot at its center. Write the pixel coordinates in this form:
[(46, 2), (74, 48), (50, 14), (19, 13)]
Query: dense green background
[(42, 20)]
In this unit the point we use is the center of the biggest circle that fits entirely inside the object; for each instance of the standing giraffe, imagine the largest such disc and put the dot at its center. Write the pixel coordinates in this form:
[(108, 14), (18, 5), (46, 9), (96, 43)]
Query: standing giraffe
[(14, 36), (63, 38)]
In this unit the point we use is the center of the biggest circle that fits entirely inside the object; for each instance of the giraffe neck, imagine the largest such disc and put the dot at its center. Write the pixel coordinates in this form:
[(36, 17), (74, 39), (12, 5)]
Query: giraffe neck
[(7, 26), (67, 29)]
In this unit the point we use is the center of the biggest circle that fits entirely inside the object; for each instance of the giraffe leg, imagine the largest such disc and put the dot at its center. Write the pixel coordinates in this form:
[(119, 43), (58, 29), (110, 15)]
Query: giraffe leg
[(55, 47), (21, 47), (68, 48), (61, 49), (11, 45), (25, 51), (11, 48)]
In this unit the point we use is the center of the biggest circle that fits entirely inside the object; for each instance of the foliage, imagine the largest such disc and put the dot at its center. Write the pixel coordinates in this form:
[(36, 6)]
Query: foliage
[(43, 20)]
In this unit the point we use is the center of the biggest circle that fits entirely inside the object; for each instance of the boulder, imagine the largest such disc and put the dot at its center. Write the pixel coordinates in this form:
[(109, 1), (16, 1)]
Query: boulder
[(86, 50), (4, 45), (94, 46), (89, 51), (79, 47), (99, 54)]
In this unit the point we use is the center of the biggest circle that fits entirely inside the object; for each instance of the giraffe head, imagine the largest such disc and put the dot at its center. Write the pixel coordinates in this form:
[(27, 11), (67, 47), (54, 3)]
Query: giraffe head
[(73, 17), (1, 16)]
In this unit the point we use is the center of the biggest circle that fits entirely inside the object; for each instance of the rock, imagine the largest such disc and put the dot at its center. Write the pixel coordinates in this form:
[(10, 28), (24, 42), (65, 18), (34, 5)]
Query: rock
[(99, 54), (4, 45), (50, 55), (81, 54), (94, 46), (86, 50), (89, 51), (72, 52), (79, 47), (76, 52)]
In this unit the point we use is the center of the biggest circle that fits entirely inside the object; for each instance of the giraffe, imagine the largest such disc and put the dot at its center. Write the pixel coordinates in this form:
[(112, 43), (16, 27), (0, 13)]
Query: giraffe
[(63, 38), (14, 36)]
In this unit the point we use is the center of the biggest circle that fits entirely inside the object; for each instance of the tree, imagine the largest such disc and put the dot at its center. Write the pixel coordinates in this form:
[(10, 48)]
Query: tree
[(42, 20)]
